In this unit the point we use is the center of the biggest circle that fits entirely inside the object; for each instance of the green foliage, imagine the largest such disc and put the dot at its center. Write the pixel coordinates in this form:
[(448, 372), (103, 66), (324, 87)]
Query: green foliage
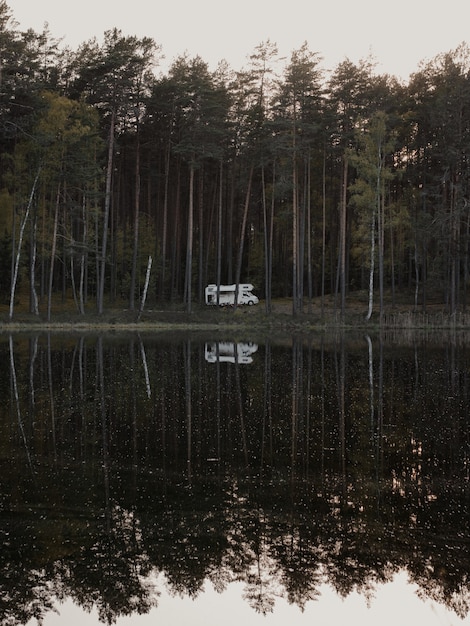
[(371, 159), (200, 107), (286, 125)]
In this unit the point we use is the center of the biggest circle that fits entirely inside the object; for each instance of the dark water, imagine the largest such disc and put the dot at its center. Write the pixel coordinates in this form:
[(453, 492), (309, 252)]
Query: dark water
[(277, 468)]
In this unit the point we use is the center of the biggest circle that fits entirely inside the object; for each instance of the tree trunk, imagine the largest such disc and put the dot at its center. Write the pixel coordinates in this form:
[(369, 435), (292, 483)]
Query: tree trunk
[(16, 265), (309, 239), (189, 249), (33, 305), (165, 223), (270, 245), (83, 256), (107, 210), (146, 285), (295, 228), (342, 238), (135, 252), (54, 245), (219, 233), (242, 235), (372, 266), (267, 252), (323, 236), (201, 238), (380, 204)]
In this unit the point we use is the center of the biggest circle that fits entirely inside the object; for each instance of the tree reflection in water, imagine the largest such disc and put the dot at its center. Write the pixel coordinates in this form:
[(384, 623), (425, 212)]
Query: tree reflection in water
[(339, 461)]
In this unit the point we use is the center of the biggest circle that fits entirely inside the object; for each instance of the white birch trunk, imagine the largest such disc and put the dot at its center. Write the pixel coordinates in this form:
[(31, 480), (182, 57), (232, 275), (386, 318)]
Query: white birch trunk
[(14, 279), (146, 286)]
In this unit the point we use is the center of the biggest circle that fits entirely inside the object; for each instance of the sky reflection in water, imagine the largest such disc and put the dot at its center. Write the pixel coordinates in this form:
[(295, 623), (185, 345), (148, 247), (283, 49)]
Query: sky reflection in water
[(393, 604)]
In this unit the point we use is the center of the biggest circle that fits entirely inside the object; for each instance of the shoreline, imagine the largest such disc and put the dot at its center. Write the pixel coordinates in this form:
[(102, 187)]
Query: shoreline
[(241, 319)]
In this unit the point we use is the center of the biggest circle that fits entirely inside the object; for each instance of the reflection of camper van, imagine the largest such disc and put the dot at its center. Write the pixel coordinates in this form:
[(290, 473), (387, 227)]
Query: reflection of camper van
[(227, 294), (230, 352)]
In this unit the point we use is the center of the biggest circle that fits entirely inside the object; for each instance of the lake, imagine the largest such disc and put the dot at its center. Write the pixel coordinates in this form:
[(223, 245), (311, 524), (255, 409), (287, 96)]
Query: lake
[(190, 479)]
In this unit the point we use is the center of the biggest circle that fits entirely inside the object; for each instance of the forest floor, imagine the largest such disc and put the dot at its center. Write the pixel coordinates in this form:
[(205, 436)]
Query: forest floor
[(316, 316)]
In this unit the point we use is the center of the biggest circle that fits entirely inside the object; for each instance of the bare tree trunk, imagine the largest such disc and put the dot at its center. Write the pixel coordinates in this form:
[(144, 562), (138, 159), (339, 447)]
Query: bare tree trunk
[(343, 222), (392, 263), (381, 234), (380, 203), (219, 233), (54, 245), (454, 255), (201, 239), (176, 248), (465, 258), (323, 236), (81, 299), (33, 306), (416, 259), (271, 238), (107, 210), (267, 252), (165, 223), (14, 279), (72, 278), (309, 239), (372, 267), (295, 232), (146, 286), (242, 235), (189, 249), (135, 252)]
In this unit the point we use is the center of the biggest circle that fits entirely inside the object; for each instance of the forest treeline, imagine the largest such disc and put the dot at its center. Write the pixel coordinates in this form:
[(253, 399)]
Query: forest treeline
[(301, 181)]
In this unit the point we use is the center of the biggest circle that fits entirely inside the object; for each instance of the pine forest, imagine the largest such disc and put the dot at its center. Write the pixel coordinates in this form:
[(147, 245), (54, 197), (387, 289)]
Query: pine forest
[(117, 177)]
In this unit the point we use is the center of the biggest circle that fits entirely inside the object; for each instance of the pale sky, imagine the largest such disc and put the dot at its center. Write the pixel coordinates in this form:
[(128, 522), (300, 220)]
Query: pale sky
[(397, 34)]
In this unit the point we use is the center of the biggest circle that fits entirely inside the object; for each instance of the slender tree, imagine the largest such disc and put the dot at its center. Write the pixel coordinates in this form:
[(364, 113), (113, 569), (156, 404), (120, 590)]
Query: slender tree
[(110, 77), (370, 161), (201, 108), (349, 91), (297, 111), (20, 244)]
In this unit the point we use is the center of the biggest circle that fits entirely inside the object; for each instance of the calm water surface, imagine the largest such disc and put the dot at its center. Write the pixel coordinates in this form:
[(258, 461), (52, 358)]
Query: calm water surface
[(194, 479)]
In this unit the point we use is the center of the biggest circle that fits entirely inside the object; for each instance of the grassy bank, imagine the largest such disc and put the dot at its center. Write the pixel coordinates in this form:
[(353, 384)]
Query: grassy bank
[(316, 316)]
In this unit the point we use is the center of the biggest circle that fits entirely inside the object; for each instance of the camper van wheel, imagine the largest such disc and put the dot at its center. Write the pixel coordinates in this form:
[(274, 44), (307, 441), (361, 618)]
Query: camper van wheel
[(250, 303)]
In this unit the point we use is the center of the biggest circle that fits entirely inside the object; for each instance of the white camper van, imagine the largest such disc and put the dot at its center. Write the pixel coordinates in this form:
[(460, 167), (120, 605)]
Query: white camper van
[(227, 294)]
